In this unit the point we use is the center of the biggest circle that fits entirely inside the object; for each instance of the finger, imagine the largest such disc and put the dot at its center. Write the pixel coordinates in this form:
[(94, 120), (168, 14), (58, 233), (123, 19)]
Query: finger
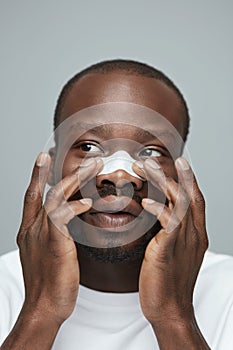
[(71, 184), (189, 183), (159, 178), (34, 194), (138, 168), (85, 172), (168, 220), (174, 191), (67, 211), (32, 232), (61, 216)]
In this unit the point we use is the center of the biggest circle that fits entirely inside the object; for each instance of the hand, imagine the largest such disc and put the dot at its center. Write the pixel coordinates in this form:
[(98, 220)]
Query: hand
[(47, 251), (174, 256)]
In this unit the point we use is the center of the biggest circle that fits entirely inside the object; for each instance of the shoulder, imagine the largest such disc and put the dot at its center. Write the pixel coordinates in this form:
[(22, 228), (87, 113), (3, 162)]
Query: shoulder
[(10, 261), (11, 271), (12, 257), (221, 265), (213, 300), (215, 279), (11, 291)]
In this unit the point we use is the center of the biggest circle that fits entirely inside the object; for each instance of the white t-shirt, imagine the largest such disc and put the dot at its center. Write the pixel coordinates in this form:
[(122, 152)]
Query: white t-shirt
[(115, 321)]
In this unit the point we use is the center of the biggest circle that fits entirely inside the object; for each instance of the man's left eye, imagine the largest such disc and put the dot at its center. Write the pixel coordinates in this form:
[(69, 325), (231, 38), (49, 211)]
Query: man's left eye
[(89, 147), (150, 152)]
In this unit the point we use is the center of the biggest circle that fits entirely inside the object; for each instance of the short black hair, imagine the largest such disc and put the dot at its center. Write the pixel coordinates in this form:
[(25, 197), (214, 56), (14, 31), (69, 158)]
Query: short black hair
[(130, 67)]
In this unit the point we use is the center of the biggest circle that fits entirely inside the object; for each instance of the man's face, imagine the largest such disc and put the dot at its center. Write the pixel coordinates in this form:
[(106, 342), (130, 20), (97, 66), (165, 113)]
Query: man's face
[(107, 138)]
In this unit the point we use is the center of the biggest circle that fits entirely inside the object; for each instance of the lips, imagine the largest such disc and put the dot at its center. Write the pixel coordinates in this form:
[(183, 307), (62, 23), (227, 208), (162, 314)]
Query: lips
[(112, 212)]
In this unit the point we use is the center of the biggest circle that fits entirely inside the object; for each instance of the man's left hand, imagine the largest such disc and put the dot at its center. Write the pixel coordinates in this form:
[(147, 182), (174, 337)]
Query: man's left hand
[(174, 256)]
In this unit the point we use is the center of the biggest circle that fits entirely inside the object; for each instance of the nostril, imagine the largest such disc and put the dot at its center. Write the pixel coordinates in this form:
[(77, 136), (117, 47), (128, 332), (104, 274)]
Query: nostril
[(118, 183), (106, 182), (119, 179)]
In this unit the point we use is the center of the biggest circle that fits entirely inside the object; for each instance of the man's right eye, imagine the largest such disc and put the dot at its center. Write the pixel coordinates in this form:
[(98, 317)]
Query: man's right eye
[(87, 147)]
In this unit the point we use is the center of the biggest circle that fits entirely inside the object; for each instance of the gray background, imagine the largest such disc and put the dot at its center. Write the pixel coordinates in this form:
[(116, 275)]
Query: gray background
[(43, 43)]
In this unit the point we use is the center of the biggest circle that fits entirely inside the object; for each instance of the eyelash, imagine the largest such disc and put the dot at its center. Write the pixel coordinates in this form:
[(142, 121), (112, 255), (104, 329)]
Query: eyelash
[(86, 144), (160, 153), (83, 144)]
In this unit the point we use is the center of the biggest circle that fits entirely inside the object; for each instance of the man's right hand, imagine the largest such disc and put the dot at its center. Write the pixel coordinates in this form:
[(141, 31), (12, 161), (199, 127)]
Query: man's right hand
[(47, 251)]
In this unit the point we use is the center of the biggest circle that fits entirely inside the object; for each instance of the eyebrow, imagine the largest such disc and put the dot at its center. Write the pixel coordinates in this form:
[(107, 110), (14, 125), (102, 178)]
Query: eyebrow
[(105, 130), (95, 128), (154, 133)]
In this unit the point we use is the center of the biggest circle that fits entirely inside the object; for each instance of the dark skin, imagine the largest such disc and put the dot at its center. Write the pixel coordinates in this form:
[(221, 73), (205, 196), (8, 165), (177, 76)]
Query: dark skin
[(166, 276)]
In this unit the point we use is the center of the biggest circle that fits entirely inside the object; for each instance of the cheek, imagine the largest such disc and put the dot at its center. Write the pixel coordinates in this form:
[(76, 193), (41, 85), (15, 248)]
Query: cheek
[(64, 167), (169, 168)]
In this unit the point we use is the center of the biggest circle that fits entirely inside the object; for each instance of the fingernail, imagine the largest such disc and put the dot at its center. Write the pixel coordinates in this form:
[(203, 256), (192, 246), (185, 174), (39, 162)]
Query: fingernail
[(41, 159), (148, 201), (139, 164), (99, 161), (86, 201), (183, 164), (87, 162), (153, 164)]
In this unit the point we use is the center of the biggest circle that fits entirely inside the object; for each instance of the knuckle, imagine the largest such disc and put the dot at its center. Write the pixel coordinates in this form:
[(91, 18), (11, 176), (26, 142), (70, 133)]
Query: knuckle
[(52, 193), (199, 199), (20, 239), (31, 196)]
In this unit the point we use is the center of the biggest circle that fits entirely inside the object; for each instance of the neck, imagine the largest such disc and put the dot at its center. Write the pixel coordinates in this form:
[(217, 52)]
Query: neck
[(120, 277)]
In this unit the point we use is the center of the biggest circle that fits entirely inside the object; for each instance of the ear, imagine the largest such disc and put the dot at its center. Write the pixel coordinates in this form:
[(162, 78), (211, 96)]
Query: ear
[(50, 179)]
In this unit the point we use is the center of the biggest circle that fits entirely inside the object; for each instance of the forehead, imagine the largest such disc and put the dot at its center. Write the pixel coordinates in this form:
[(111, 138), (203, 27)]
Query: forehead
[(122, 131), (94, 89)]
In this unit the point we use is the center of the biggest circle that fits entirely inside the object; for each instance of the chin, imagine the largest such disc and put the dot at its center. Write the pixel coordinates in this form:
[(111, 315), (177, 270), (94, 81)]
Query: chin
[(133, 251)]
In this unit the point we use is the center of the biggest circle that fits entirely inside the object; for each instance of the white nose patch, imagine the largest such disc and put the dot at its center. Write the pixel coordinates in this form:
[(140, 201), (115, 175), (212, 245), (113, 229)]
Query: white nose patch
[(118, 160)]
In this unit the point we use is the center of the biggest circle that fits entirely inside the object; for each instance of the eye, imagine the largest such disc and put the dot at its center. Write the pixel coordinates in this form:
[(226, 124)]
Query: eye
[(88, 147), (150, 152)]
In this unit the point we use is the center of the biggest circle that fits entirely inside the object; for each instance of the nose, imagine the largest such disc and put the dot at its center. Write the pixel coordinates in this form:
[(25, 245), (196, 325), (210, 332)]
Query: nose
[(119, 179)]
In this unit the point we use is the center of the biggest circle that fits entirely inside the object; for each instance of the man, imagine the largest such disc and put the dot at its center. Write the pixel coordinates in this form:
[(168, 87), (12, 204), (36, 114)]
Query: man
[(99, 270)]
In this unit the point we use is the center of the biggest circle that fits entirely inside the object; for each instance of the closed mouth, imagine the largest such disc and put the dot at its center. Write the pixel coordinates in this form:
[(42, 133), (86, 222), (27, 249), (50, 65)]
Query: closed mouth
[(111, 220), (112, 212)]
